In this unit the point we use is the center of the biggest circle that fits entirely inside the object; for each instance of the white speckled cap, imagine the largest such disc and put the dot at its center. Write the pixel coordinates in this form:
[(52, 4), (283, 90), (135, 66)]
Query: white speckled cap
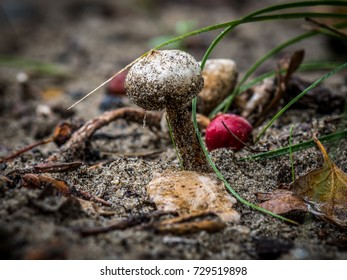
[(164, 78)]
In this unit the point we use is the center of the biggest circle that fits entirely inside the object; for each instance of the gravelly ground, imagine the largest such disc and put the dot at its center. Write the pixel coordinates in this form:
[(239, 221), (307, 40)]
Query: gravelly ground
[(92, 40)]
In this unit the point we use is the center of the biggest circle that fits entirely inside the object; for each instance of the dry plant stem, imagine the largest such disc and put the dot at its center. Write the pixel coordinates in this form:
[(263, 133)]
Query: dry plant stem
[(25, 149), (76, 146), (87, 196), (132, 221), (39, 181), (56, 167), (185, 139)]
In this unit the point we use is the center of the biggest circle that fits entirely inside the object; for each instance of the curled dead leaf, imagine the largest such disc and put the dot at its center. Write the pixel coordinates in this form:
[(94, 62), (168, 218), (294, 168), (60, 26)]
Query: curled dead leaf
[(192, 193)]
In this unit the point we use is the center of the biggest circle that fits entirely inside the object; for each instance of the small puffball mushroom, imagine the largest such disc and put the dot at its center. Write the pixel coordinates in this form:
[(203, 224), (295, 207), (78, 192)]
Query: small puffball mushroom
[(168, 79)]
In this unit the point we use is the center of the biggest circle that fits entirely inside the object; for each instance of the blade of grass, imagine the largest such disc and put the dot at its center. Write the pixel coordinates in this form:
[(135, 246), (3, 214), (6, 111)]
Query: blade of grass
[(331, 29), (333, 137), (230, 26), (221, 177), (280, 47), (235, 23), (299, 4), (259, 62), (268, 55), (310, 66), (214, 44), (285, 108)]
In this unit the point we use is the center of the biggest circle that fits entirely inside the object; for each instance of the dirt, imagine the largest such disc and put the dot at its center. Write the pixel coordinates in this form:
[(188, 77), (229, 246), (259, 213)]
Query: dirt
[(91, 40)]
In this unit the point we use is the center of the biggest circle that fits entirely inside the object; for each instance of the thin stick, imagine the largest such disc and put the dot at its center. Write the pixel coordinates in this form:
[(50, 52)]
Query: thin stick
[(76, 145), (25, 149)]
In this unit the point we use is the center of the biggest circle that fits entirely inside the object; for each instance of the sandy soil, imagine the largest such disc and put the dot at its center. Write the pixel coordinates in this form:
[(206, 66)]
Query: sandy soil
[(91, 40)]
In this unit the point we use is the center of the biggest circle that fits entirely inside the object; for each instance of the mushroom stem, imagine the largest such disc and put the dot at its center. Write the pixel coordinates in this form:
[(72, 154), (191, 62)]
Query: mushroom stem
[(185, 139)]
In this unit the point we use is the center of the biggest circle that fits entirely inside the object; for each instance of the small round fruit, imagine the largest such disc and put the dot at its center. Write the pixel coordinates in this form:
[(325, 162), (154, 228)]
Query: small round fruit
[(116, 85), (217, 136)]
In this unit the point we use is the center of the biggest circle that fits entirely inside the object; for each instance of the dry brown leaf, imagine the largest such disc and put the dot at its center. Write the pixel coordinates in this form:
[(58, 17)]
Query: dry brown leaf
[(322, 191), (192, 193), (325, 190), (281, 201)]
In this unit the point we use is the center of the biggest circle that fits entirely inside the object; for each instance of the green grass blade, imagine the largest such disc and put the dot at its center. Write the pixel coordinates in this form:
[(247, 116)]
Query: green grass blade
[(235, 23), (285, 108), (300, 4), (274, 51), (311, 66), (258, 63), (333, 137), (214, 44), (231, 25), (221, 177), (270, 54)]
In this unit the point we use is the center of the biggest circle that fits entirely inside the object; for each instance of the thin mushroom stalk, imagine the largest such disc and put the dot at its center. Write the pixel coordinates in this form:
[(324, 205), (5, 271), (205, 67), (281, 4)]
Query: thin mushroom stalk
[(169, 79)]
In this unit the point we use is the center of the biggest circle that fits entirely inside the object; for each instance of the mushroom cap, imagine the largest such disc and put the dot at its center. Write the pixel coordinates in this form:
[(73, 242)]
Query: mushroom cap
[(164, 78)]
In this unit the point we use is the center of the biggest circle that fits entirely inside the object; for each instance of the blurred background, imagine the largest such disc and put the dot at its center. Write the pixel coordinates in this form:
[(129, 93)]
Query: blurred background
[(83, 42)]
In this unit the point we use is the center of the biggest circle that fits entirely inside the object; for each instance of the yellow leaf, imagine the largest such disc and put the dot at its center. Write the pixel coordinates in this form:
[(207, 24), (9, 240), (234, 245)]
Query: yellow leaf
[(192, 193)]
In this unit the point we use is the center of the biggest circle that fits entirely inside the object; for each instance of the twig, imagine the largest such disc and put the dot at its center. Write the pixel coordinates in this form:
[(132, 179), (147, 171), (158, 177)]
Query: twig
[(25, 149), (124, 224), (39, 181), (51, 167), (87, 196), (76, 146), (62, 132)]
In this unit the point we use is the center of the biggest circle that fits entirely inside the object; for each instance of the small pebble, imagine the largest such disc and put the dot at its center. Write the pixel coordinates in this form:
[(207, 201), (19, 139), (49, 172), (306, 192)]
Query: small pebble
[(220, 77)]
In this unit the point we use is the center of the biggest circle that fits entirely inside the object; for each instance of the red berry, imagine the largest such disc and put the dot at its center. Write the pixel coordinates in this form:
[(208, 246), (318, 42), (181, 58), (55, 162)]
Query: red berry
[(116, 85), (217, 136)]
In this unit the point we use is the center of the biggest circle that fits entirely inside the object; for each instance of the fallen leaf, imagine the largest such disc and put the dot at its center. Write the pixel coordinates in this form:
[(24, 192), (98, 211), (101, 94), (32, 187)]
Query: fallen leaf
[(322, 191), (325, 190), (192, 193), (282, 201)]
